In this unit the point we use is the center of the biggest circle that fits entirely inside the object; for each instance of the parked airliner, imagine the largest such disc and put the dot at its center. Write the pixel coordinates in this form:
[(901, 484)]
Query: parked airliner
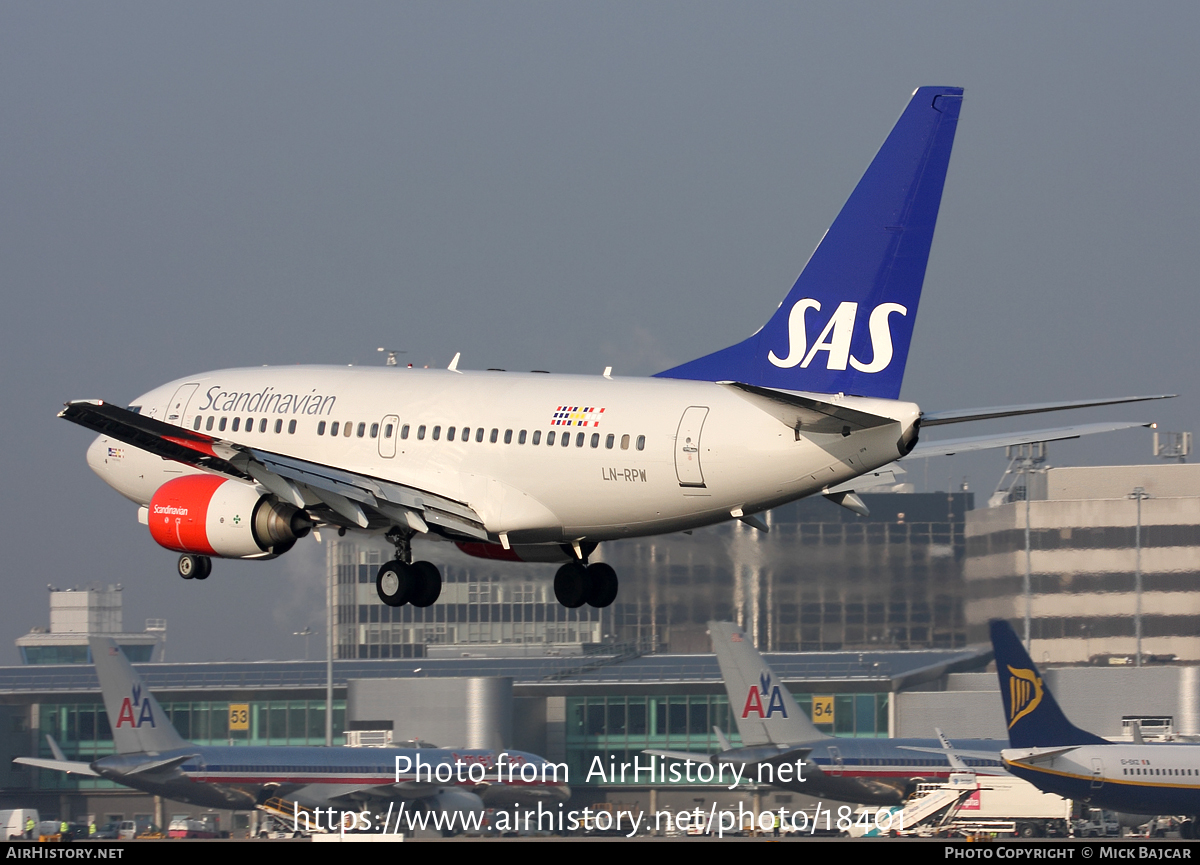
[(1053, 754), (240, 463), (151, 756), (774, 730)]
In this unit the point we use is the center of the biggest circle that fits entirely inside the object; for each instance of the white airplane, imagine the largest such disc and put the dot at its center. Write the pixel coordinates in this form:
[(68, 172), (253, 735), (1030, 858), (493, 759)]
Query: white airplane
[(240, 463)]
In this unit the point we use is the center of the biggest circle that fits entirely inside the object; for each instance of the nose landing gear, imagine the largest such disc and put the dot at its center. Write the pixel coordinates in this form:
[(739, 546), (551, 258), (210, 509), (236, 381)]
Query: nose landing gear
[(403, 581), (194, 567)]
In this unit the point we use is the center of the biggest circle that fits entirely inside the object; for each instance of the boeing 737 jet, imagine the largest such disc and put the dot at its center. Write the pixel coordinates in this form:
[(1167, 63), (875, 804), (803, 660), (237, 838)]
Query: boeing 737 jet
[(777, 734), (241, 463), (151, 756), (1053, 754)]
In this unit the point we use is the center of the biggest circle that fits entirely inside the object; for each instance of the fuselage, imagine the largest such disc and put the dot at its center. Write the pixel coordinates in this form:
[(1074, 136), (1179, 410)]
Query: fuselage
[(1139, 779), (542, 458), (876, 771), (242, 777)]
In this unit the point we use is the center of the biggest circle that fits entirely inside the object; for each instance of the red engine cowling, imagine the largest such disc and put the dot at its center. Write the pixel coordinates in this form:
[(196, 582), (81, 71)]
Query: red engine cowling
[(212, 516)]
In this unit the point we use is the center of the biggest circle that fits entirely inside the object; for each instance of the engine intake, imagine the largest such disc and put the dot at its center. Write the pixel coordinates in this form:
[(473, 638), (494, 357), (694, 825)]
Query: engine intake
[(212, 516)]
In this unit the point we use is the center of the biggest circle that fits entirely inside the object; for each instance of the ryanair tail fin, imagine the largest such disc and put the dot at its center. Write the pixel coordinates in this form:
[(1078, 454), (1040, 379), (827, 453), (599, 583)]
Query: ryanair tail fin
[(846, 325), (763, 708), (139, 725), (1030, 710)]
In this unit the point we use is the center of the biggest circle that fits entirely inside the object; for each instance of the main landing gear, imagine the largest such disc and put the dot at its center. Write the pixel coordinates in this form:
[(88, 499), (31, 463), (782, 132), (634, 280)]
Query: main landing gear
[(194, 567), (403, 581), (577, 584)]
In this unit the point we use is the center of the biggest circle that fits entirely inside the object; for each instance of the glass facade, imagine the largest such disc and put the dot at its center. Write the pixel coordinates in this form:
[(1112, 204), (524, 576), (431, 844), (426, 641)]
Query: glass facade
[(83, 731), (616, 729)]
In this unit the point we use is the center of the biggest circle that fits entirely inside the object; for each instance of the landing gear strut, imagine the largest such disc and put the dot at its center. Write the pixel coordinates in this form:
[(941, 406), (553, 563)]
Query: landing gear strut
[(403, 581), (577, 583), (194, 567)]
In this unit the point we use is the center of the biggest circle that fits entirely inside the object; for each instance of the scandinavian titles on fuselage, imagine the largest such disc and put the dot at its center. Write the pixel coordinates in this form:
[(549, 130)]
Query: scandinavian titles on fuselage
[(266, 402)]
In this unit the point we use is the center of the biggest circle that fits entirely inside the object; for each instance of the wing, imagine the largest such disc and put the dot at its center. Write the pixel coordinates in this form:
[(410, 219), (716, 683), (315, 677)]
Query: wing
[(350, 498), (946, 447)]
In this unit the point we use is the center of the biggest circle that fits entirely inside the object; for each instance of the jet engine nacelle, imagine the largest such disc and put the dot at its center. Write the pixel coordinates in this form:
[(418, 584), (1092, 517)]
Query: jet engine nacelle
[(212, 516)]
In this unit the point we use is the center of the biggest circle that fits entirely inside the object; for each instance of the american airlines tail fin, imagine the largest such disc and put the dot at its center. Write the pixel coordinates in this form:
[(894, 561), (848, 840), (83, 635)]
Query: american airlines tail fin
[(1030, 710), (139, 725), (846, 325), (763, 708)]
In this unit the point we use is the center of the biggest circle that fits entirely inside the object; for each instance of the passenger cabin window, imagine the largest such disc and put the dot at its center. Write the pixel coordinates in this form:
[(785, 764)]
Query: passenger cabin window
[(566, 439), (595, 440), (362, 429), (495, 434), (479, 434), (279, 425), (608, 442), (388, 430), (347, 428), (321, 428), (641, 443), (404, 431), (521, 437), (249, 424), (450, 434), (262, 425), (579, 437), (466, 435), (236, 422), (374, 430), (333, 428), (625, 442), (537, 436), (291, 427), (221, 425), (549, 438), (508, 436), (421, 432), (196, 425), (437, 433)]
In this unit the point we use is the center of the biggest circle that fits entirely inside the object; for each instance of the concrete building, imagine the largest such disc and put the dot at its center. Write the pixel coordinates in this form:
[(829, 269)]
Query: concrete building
[(75, 615), (1079, 535)]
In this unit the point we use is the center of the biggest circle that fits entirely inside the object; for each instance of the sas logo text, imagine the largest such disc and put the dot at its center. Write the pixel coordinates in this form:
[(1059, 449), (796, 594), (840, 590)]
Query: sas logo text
[(835, 337), (135, 711), (764, 692), (1024, 694)]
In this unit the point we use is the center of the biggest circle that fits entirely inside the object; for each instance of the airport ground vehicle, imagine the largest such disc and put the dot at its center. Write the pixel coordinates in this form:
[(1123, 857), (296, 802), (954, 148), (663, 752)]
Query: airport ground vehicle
[(993, 805), (242, 463), (13, 821)]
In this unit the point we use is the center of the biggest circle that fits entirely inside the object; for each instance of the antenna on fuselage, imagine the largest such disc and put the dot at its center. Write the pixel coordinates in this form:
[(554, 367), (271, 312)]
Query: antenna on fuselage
[(391, 355)]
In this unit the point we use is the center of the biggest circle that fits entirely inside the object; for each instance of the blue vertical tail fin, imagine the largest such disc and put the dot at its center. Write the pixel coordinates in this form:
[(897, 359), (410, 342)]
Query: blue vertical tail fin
[(846, 325), (1032, 714)]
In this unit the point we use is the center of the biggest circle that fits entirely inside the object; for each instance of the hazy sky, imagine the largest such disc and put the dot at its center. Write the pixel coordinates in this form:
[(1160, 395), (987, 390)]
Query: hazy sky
[(560, 186)]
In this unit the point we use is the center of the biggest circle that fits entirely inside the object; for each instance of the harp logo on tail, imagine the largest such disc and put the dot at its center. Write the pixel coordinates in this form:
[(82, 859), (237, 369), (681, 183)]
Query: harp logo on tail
[(1024, 693)]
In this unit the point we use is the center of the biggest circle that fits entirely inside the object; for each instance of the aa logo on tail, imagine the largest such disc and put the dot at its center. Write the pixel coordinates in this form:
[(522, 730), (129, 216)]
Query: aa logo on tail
[(135, 711), (1024, 694), (754, 699), (836, 335)]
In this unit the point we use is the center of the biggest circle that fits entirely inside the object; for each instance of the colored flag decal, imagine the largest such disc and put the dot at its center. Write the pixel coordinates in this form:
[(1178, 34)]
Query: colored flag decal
[(577, 415)]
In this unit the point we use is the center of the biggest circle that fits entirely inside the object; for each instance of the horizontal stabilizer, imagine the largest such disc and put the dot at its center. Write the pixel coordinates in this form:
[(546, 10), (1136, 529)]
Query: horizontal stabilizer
[(72, 767), (681, 756), (946, 447), (964, 415), (1035, 755)]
